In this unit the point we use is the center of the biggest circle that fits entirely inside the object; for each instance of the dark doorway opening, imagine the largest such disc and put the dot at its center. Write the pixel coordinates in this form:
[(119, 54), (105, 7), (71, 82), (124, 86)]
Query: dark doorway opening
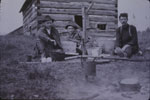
[(78, 20)]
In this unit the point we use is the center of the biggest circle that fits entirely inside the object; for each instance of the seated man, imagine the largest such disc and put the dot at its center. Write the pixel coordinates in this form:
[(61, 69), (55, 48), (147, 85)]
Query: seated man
[(74, 35), (126, 38), (48, 41)]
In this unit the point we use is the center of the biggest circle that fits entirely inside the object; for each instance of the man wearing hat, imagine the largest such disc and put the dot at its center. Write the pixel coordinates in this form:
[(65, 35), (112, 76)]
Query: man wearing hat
[(126, 38), (48, 40), (73, 34), (73, 31)]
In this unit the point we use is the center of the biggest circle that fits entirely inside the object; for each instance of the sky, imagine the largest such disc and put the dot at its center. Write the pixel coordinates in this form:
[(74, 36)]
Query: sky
[(10, 18), (138, 11)]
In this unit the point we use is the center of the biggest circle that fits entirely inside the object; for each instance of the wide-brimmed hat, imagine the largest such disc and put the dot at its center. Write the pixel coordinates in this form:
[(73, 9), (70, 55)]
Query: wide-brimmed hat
[(73, 24), (46, 18)]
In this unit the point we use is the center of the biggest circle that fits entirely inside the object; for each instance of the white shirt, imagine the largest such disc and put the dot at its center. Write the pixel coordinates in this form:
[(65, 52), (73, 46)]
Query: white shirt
[(48, 31)]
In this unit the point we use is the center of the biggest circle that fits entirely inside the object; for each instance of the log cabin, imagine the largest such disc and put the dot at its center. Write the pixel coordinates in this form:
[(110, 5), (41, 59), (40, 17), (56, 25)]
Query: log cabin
[(101, 20)]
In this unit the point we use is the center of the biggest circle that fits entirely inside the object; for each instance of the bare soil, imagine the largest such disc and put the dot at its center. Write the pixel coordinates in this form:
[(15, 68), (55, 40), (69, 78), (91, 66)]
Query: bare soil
[(106, 84)]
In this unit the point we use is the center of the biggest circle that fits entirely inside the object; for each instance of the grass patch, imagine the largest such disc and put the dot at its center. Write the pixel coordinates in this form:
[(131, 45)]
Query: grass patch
[(144, 39), (19, 81), (22, 81), (16, 47)]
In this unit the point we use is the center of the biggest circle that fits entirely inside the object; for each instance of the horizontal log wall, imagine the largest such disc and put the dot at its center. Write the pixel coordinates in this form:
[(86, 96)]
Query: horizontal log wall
[(76, 5), (96, 1), (77, 12), (63, 11), (109, 25), (27, 8), (103, 12), (95, 18), (29, 18), (58, 17)]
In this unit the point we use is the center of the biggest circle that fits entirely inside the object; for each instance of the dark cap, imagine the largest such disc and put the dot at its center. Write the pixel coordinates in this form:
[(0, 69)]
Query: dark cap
[(47, 18), (73, 24), (123, 15)]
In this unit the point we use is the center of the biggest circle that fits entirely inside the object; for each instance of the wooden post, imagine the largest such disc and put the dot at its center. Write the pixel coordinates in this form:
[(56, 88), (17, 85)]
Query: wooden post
[(88, 66), (84, 35), (84, 30)]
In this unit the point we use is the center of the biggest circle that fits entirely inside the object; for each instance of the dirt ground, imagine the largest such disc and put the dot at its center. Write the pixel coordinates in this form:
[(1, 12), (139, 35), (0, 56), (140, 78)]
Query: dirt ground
[(106, 84), (65, 80), (106, 87)]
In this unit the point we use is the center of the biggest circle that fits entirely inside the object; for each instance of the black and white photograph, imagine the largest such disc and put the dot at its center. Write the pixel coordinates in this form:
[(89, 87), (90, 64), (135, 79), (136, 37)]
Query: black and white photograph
[(74, 49)]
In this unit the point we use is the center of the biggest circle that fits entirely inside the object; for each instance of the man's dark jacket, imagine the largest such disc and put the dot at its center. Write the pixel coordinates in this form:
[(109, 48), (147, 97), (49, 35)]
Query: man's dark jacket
[(127, 34), (44, 45), (44, 36)]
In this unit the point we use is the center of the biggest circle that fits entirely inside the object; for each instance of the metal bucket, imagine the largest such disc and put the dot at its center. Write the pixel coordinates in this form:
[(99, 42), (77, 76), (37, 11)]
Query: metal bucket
[(89, 68)]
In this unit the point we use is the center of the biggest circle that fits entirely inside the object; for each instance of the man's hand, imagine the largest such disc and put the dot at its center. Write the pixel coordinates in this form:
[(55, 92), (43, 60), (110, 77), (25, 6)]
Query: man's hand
[(73, 40), (118, 50), (126, 46), (53, 41)]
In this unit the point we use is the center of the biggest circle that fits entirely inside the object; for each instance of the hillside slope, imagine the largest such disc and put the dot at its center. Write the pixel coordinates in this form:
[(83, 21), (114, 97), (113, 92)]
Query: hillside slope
[(16, 47)]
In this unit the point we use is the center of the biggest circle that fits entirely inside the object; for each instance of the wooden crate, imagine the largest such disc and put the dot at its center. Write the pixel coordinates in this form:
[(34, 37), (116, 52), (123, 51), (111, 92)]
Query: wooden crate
[(69, 46)]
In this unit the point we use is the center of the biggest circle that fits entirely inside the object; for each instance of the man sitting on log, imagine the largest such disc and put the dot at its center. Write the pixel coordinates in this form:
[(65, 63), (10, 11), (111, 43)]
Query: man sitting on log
[(48, 41), (126, 38), (73, 34)]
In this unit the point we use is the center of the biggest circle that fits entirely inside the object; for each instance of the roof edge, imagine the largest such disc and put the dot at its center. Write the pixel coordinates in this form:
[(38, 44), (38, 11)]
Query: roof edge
[(25, 4)]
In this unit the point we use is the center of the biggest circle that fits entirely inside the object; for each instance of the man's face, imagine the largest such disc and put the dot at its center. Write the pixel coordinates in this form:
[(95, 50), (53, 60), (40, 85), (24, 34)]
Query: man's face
[(123, 20), (70, 29), (48, 24)]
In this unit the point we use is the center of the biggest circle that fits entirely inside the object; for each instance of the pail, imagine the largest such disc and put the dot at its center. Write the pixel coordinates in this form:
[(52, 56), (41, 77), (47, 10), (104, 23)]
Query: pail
[(96, 51), (129, 84), (89, 68)]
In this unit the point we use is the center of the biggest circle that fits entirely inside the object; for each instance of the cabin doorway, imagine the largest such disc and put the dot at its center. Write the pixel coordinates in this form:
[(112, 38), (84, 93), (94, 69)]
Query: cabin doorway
[(78, 20)]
